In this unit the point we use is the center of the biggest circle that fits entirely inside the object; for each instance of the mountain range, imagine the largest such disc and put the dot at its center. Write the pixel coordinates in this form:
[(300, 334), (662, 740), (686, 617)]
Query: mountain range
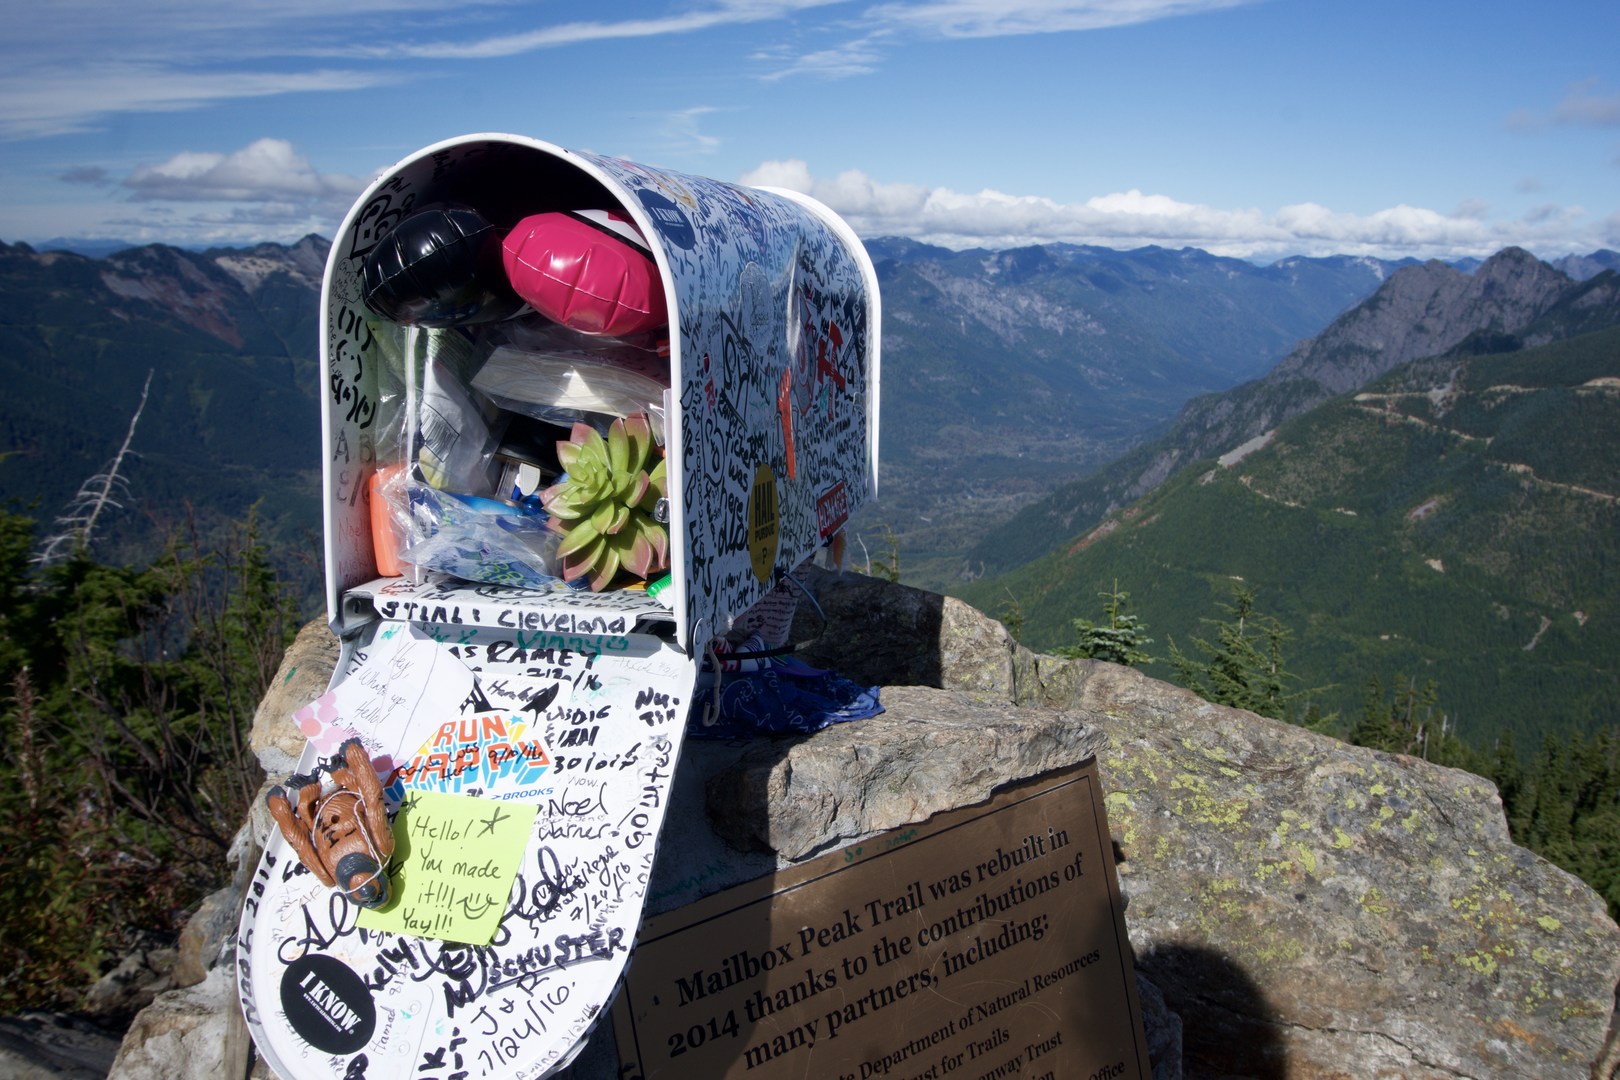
[(1010, 377), (232, 415), (1420, 310), (1006, 373), (1428, 489)]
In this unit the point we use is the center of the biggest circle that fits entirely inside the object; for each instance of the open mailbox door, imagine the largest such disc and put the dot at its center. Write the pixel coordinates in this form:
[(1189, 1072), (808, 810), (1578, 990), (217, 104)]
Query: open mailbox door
[(525, 730)]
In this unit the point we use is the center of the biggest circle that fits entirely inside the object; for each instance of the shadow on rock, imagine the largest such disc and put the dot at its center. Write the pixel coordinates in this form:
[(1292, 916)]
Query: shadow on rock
[(874, 632), (1227, 1030)]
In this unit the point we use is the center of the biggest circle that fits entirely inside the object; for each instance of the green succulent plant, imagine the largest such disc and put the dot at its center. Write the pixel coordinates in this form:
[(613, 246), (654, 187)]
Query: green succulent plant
[(604, 506)]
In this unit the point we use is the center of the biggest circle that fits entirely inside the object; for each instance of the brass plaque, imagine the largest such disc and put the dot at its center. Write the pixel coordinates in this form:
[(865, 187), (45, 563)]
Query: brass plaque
[(987, 942)]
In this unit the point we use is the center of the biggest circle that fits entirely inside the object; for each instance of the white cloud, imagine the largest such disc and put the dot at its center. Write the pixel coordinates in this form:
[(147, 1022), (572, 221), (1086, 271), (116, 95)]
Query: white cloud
[(792, 174), (265, 170), (1583, 107), (1610, 230), (68, 65), (861, 46), (857, 57), (690, 20), (265, 190), (93, 175), (1001, 18), (1127, 219), (199, 31), (683, 134), (59, 102), (1553, 214)]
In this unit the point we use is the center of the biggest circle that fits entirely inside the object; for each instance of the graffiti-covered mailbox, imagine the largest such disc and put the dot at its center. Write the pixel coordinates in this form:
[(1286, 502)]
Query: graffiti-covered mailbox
[(579, 417)]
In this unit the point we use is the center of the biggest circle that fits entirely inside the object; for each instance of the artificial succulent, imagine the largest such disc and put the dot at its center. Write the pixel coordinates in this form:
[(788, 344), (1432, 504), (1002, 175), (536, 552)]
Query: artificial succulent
[(604, 506)]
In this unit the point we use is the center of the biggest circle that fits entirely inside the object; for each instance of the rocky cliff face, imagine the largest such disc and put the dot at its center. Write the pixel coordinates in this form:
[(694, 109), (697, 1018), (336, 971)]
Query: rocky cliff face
[(1307, 908), (1420, 311), (221, 293)]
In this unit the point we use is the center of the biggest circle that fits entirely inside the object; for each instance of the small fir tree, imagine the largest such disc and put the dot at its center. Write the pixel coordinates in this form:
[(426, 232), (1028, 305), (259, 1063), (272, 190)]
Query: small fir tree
[(1244, 667), (1012, 617), (1119, 640), (126, 695), (1411, 722)]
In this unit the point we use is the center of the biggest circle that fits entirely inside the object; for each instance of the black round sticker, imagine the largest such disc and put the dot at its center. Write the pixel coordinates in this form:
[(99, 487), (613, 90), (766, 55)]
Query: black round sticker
[(671, 220), (328, 1004)]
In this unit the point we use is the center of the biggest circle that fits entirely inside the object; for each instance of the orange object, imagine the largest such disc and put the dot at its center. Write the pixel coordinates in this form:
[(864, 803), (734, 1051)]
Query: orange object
[(385, 541)]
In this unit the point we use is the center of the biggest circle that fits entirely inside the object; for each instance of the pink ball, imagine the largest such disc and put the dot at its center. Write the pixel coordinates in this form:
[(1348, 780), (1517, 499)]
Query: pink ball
[(588, 270)]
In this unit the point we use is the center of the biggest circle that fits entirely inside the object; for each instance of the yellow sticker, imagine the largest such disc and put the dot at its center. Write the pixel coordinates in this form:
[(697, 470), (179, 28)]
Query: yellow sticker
[(454, 860), (762, 523)]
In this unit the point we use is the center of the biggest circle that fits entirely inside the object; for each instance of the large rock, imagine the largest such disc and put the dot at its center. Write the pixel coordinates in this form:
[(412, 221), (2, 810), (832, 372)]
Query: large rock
[(930, 750), (205, 934), (305, 670), (50, 1046), (1309, 908), (913, 638), (196, 1030), (193, 1034), (144, 972), (1306, 907), (1315, 909)]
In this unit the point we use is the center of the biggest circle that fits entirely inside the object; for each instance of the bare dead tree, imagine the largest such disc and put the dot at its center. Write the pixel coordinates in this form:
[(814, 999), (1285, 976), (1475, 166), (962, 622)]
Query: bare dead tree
[(103, 490)]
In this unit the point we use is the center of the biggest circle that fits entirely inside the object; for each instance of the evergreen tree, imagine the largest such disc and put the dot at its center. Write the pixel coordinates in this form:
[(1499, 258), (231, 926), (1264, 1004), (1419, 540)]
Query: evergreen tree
[(1595, 843), (1565, 806), (1376, 728), (887, 569), (126, 769), (1411, 722), (1244, 667), (1118, 640), (1012, 617), (1501, 765)]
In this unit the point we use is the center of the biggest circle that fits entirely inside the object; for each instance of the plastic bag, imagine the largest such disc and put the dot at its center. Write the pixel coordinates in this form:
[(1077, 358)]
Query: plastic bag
[(458, 429), (472, 538), (553, 374), (783, 699)]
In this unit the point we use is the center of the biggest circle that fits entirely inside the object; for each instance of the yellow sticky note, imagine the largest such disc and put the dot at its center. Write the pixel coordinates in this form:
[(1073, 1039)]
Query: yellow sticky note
[(454, 860)]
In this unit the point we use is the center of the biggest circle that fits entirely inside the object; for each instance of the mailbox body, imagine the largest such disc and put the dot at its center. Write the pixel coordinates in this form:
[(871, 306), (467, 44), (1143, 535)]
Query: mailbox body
[(771, 419), (770, 430)]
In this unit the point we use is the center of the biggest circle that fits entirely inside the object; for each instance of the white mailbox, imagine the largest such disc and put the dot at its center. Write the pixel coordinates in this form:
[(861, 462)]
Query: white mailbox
[(772, 364), (524, 730)]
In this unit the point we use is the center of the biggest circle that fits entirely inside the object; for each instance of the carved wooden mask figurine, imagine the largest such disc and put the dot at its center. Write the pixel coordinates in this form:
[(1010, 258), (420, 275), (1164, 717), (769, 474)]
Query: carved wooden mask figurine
[(343, 836)]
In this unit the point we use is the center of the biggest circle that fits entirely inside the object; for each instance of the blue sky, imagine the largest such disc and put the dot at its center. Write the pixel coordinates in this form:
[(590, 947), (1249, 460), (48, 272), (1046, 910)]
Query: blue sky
[(1255, 128)]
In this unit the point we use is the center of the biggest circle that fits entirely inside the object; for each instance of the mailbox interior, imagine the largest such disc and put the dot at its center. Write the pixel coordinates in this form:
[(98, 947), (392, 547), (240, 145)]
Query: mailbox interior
[(771, 426)]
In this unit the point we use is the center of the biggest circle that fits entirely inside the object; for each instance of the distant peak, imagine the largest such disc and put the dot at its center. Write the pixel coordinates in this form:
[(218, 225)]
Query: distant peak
[(1509, 256)]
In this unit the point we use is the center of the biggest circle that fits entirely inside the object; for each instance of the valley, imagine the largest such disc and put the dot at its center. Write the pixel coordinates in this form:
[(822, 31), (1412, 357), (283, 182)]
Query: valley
[(1055, 419), (1452, 520)]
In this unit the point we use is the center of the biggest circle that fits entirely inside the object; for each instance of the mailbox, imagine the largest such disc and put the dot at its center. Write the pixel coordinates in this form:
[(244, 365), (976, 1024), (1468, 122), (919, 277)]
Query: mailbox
[(524, 719), (771, 434)]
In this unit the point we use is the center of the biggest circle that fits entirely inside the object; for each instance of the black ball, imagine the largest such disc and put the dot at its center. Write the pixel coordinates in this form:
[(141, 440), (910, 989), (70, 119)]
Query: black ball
[(439, 267)]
